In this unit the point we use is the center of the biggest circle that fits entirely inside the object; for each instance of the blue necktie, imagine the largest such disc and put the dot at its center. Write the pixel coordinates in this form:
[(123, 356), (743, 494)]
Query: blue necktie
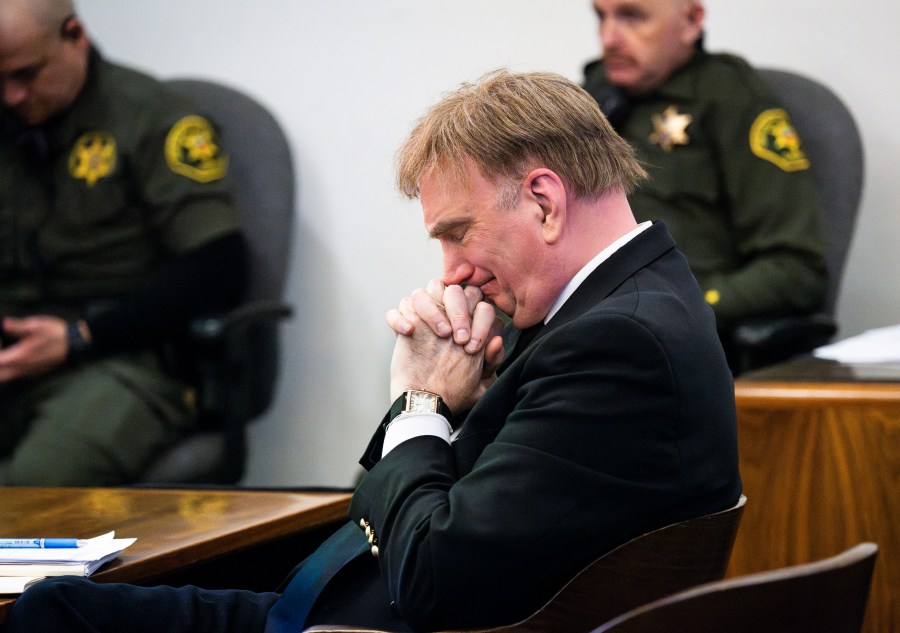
[(290, 611)]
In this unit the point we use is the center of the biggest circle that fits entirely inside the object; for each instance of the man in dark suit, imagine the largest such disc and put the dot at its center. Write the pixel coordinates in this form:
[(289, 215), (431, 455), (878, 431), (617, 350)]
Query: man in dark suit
[(489, 487)]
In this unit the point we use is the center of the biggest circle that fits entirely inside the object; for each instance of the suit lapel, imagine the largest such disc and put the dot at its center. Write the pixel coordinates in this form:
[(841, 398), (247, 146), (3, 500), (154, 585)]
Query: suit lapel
[(603, 281), (622, 265)]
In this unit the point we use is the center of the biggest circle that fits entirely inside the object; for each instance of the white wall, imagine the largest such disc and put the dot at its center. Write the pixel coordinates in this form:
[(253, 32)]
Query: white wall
[(347, 78)]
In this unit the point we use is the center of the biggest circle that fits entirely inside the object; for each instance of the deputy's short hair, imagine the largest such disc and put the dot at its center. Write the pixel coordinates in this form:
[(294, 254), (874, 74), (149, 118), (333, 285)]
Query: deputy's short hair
[(509, 123), (49, 14)]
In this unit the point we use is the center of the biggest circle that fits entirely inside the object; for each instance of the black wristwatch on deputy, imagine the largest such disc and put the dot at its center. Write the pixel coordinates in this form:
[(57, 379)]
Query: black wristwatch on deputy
[(79, 345), (417, 400)]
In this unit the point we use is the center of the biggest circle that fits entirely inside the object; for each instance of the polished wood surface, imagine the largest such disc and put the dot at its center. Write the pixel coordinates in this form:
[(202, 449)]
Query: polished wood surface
[(820, 460), (175, 528)]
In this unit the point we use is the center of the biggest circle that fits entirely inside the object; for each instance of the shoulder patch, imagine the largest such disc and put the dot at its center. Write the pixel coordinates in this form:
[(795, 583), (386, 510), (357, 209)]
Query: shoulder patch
[(93, 156), (773, 138), (192, 151)]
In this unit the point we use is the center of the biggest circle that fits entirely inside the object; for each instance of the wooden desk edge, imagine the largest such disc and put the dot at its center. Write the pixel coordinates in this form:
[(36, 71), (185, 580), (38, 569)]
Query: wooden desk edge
[(119, 571), (122, 569), (750, 392)]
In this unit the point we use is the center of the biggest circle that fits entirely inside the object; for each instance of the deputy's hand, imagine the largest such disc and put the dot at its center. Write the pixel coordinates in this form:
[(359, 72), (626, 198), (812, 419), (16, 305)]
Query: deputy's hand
[(39, 346)]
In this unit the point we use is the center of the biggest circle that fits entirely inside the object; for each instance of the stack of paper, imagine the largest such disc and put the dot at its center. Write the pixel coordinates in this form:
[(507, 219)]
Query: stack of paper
[(20, 567), (17, 584), (880, 345)]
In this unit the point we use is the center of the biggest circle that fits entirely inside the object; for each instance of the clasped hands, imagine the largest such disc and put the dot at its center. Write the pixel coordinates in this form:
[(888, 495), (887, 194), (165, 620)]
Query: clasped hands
[(448, 343), (39, 345)]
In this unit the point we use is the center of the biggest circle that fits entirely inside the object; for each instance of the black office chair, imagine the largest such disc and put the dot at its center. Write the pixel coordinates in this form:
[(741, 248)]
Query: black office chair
[(827, 596), (233, 358), (832, 141)]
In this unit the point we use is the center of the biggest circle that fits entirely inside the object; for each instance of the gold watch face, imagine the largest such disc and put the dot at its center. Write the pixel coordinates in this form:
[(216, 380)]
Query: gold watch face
[(421, 401)]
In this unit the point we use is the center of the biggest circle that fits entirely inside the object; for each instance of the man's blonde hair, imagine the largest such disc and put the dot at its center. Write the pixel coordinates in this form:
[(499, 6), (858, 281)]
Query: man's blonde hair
[(507, 124)]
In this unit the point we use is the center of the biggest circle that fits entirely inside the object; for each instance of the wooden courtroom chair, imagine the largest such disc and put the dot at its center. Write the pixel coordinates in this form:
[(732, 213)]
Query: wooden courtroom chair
[(827, 596), (644, 569)]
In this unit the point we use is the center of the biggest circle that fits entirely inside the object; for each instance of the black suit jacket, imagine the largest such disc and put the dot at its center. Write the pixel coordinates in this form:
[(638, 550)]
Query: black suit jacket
[(617, 419)]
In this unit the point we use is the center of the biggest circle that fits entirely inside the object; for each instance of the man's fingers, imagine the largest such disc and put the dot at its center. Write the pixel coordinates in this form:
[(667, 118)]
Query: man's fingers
[(398, 322), (473, 295), (456, 305), (14, 326), (430, 311), (482, 326), (446, 309), (403, 318), (493, 355), (435, 289), (10, 360)]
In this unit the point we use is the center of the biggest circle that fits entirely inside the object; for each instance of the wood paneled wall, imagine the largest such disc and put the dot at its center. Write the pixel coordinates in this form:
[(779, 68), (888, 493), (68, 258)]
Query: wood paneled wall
[(821, 469)]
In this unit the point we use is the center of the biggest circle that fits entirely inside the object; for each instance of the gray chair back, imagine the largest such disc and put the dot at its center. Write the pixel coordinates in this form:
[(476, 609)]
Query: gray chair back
[(832, 141), (237, 379), (261, 165)]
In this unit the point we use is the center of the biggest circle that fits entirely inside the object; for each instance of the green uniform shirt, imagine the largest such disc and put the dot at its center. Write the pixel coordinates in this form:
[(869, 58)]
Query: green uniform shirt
[(729, 178), (92, 204)]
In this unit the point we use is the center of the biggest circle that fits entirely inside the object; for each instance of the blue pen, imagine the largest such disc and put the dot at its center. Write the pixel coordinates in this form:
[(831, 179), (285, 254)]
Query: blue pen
[(43, 543)]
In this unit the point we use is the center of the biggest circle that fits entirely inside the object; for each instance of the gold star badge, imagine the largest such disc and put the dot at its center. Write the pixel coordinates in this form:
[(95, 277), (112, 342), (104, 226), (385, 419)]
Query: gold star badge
[(669, 128), (93, 157)]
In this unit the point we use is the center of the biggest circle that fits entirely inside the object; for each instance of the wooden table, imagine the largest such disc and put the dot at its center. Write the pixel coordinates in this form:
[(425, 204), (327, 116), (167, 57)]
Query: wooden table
[(820, 460), (212, 538)]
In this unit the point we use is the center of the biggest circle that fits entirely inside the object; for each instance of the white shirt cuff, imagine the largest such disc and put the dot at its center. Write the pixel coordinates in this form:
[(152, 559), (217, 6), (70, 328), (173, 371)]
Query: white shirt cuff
[(409, 425)]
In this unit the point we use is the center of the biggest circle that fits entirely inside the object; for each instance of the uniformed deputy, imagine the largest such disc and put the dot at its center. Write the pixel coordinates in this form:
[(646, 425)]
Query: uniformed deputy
[(116, 226), (727, 170)]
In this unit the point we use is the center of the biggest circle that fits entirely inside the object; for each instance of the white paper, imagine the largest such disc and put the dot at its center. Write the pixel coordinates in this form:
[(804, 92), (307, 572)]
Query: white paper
[(10, 585), (880, 345)]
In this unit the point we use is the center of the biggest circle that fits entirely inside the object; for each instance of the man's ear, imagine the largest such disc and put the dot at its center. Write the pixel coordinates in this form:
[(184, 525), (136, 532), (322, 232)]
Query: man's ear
[(695, 13), (71, 28), (73, 31), (544, 187)]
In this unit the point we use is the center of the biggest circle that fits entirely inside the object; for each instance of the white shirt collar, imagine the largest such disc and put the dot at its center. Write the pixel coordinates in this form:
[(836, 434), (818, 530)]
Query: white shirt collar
[(588, 268)]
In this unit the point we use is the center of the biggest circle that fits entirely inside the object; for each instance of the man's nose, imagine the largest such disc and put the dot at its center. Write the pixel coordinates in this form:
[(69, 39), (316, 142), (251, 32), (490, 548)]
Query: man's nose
[(13, 92), (609, 34), (456, 270)]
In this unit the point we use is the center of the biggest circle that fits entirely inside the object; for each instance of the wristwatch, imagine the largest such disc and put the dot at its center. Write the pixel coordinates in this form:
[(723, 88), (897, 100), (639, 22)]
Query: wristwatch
[(79, 347), (416, 400)]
